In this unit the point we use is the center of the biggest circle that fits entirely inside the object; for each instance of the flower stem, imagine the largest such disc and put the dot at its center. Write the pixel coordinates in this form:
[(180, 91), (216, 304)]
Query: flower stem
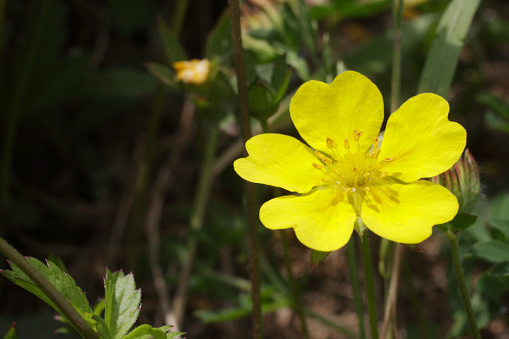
[(453, 240), (238, 57), (58, 299), (196, 222), (397, 11), (293, 286), (354, 280), (370, 285)]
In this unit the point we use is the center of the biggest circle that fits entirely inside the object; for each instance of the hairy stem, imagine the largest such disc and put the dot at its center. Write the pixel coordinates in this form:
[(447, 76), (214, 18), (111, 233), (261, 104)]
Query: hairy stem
[(465, 296), (238, 57), (370, 285), (354, 280)]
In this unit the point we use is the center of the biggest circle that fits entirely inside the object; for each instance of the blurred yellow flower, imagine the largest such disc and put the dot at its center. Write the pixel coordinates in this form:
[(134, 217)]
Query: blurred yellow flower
[(351, 173), (192, 72)]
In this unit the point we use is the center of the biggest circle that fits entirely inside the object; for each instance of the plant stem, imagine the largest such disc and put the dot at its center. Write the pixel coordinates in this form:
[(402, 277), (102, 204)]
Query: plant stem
[(196, 222), (354, 280), (397, 12), (179, 16), (453, 240), (58, 299), (370, 285), (238, 57), (12, 119), (293, 286)]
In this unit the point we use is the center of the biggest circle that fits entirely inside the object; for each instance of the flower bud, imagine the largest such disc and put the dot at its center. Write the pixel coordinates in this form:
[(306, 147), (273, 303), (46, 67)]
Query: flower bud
[(192, 72), (463, 181)]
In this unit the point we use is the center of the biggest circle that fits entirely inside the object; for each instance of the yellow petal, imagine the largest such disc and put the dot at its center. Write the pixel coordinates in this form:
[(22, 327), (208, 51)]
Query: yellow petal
[(281, 161), (406, 213), (322, 220), (421, 140), (350, 103)]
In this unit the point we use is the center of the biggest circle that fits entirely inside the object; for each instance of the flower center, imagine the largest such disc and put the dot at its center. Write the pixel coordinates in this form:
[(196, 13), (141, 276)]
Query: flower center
[(351, 169)]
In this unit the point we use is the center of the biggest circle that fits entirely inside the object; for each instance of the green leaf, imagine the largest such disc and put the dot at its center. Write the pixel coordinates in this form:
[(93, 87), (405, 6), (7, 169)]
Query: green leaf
[(280, 79), (316, 258), (122, 303), (145, 332), (219, 43), (260, 101), (13, 333), (495, 282), (165, 74), (446, 47), (462, 221), (491, 250), (63, 282), (172, 46)]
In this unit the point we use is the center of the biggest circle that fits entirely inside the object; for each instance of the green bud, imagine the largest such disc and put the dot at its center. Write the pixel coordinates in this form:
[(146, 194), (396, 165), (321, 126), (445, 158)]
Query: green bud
[(463, 180)]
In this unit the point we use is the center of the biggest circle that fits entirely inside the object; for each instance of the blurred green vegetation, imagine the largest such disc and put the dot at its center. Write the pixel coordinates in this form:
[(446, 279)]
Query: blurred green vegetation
[(84, 153)]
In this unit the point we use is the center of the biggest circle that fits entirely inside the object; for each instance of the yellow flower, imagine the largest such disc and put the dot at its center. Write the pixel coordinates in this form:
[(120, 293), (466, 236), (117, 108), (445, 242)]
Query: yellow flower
[(349, 173), (192, 72)]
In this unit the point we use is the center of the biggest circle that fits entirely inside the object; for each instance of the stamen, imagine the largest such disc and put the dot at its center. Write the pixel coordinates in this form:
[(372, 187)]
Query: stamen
[(389, 159), (331, 143), (366, 188), (374, 155), (357, 135), (375, 143), (383, 175), (347, 144), (323, 157), (326, 179)]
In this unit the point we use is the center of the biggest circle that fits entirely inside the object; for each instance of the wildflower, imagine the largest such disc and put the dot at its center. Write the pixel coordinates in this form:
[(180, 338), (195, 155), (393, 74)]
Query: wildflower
[(350, 174), (192, 72)]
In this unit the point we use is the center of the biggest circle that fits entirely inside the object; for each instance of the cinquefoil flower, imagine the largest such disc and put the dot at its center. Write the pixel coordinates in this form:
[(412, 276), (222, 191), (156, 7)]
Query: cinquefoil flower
[(349, 173)]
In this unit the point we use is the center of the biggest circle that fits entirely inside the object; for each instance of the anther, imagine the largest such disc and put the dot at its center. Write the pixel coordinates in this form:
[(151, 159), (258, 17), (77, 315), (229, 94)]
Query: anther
[(331, 143), (389, 159), (374, 155), (318, 167), (347, 144), (326, 179), (383, 175), (323, 157), (375, 143), (357, 135), (366, 188)]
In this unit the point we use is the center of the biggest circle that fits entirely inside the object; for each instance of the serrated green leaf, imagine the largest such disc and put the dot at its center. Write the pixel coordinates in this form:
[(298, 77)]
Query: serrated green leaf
[(122, 303), (13, 333), (219, 43), (63, 282), (163, 73), (145, 332), (446, 47), (491, 250), (172, 46), (316, 258)]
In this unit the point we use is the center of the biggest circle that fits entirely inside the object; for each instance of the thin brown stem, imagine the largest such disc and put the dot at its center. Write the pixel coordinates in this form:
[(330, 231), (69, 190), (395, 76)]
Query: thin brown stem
[(238, 56)]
